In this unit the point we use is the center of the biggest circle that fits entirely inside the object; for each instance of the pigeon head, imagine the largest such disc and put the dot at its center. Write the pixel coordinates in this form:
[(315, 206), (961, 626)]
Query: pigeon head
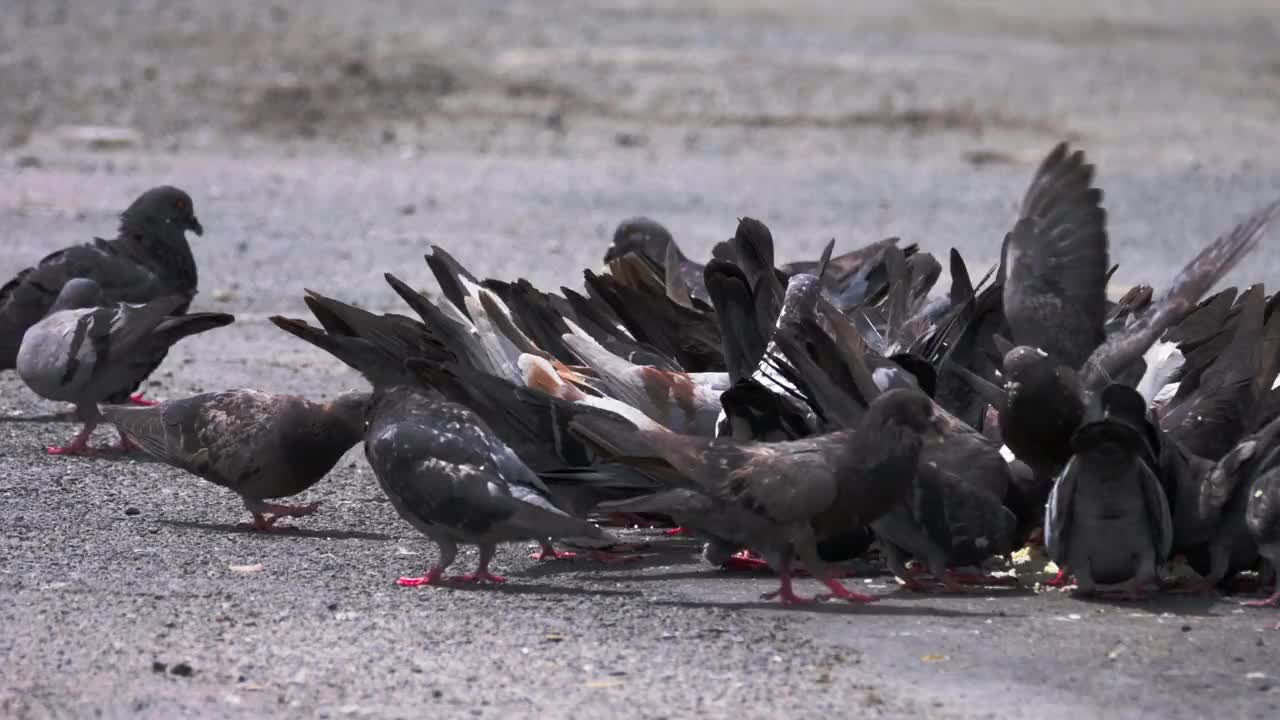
[(910, 409), (1025, 365), (76, 294), (164, 205), (642, 236), (801, 296), (351, 407)]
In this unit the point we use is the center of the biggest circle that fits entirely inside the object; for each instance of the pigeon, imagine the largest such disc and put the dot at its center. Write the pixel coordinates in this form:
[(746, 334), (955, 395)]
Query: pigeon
[(1210, 526), (1046, 398), (786, 496), (1262, 517), (1108, 518), (260, 445), (85, 353), (451, 478), (653, 242), (148, 259), (1056, 261)]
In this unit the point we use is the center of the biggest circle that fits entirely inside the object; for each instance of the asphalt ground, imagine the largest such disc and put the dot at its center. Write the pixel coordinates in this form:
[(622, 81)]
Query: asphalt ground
[(327, 146)]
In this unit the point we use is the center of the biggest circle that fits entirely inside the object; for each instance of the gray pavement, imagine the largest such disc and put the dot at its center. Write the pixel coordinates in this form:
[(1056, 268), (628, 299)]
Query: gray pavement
[(327, 145)]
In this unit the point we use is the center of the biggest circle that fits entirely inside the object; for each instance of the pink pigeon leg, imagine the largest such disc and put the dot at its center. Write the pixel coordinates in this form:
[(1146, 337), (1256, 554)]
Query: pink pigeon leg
[(785, 594), (549, 552), (840, 592), (482, 573), (1273, 601), (140, 401), (745, 560), (79, 444), (434, 576)]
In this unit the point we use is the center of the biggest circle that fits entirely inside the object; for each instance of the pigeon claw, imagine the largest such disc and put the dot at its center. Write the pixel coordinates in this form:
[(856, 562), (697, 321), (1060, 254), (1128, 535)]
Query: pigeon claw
[(141, 401), (434, 576), (745, 561), (840, 592), (481, 576), (786, 595), (551, 553), (676, 532), (1273, 601), (1058, 581), (82, 450)]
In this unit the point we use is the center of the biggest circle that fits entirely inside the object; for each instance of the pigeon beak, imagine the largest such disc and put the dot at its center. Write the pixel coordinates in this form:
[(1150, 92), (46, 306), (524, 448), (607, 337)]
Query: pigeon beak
[(195, 226), (937, 425)]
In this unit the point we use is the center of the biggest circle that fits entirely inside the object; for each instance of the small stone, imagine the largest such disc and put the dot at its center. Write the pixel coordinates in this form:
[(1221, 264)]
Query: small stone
[(93, 137), (29, 161), (626, 139), (436, 694), (332, 606), (158, 667), (408, 209), (1186, 628), (131, 511), (182, 670)]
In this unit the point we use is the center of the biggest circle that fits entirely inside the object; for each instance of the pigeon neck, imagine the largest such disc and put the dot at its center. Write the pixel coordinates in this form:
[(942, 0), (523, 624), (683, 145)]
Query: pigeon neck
[(161, 246)]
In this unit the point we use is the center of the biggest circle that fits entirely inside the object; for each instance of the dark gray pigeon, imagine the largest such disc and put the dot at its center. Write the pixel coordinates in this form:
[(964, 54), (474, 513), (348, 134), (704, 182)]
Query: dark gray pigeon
[(789, 495), (259, 445), (1262, 515), (149, 259), (456, 482), (1108, 519), (84, 353)]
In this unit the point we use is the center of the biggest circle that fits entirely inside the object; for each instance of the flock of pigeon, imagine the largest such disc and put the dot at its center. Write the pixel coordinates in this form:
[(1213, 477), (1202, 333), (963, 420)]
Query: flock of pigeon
[(790, 416)]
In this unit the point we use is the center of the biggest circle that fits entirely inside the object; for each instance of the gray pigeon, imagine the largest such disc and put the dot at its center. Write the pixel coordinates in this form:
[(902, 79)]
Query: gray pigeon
[(1262, 517), (786, 496), (84, 353), (1108, 518), (257, 444), (451, 478), (149, 259)]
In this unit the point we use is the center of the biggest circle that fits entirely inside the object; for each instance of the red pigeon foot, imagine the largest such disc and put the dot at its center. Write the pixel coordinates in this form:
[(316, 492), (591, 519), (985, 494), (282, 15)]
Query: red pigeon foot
[(840, 592), (746, 561), (675, 532), (141, 401), (79, 444), (481, 576), (550, 553), (434, 576), (786, 595), (1059, 580), (1273, 601), (82, 449)]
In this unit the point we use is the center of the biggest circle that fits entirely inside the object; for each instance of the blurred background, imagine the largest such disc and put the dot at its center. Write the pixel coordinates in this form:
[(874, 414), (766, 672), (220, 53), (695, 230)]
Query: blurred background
[(921, 118)]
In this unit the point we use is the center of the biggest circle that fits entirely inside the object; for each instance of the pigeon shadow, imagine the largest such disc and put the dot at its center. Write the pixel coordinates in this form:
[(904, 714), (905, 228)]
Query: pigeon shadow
[(627, 562), (46, 418), (119, 457), (1194, 605), (279, 532), (538, 589), (831, 608), (970, 592)]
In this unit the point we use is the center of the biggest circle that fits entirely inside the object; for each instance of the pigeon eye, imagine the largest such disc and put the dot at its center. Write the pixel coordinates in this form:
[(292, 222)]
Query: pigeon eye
[(180, 203)]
